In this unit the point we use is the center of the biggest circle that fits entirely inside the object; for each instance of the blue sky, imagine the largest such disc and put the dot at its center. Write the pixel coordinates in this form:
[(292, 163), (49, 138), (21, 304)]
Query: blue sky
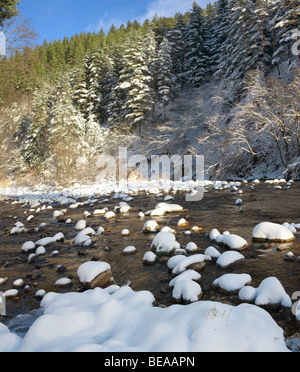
[(54, 19)]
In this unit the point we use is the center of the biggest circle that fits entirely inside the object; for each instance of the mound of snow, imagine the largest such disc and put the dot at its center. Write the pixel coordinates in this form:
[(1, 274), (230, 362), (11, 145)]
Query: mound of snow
[(150, 226), (232, 283), (196, 262), (212, 252), (120, 320), (89, 271), (234, 242), (229, 258), (271, 293), (272, 232), (165, 243), (187, 290)]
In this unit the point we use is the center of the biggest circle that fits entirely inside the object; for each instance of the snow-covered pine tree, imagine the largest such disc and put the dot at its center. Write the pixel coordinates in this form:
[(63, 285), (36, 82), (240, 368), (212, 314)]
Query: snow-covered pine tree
[(135, 81), (220, 29), (197, 57), (38, 139), (67, 127), (285, 23), (151, 59), (165, 77), (177, 41)]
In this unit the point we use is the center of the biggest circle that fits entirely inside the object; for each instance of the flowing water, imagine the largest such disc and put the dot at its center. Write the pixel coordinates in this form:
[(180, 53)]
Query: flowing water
[(216, 210)]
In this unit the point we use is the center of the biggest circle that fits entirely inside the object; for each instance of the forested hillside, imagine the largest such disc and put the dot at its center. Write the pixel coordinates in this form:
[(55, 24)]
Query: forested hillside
[(222, 82)]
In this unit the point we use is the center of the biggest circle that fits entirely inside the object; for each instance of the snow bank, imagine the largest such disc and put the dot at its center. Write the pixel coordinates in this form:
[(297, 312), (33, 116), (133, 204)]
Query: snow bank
[(272, 232), (120, 320)]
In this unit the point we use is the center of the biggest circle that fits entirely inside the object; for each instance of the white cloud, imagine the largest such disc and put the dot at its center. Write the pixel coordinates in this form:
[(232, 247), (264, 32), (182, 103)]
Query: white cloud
[(168, 8)]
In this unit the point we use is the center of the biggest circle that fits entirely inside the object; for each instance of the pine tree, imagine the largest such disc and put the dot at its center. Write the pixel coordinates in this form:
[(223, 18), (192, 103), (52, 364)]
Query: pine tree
[(135, 81), (220, 29), (197, 58), (37, 144), (285, 22), (165, 76), (177, 40), (67, 128)]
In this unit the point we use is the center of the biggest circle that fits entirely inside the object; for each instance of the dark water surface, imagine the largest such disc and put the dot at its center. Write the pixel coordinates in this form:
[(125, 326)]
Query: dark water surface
[(216, 210)]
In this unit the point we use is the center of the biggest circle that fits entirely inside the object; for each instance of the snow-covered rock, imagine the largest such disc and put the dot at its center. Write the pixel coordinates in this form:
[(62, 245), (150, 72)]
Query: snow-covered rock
[(186, 275), (129, 250), (229, 258), (150, 227), (232, 283), (94, 274), (187, 290), (164, 243), (28, 246), (119, 319), (268, 231), (195, 262), (212, 252), (149, 258), (234, 242), (271, 293), (80, 225), (191, 247)]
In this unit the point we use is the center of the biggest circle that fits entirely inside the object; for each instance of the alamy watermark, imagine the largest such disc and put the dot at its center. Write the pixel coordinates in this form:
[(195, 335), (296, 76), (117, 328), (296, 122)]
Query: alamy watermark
[(158, 169), (296, 45), (2, 44), (296, 305), (2, 304)]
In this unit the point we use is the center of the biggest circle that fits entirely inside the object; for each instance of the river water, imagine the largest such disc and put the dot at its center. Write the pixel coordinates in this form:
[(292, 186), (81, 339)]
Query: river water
[(216, 210)]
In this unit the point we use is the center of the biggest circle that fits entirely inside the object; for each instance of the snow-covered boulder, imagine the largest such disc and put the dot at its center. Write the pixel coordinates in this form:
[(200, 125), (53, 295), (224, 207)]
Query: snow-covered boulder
[(187, 290), (129, 250), (195, 262), (149, 258), (212, 252), (235, 242), (186, 275), (94, 274), (28, 246), (229, 258), (150, 227), (80, 225), (232, 283), (191, 247), (271, 294), (8, 340), (164, 243), (268, 231)]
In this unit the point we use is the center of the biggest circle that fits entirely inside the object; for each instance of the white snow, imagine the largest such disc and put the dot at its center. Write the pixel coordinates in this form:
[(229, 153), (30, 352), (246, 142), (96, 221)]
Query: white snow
[(232, 282), (182, 265), (80, 225), (271, 292), (191, 247), (234, 242), (165, 242), (188, 274), (151, 226), (28, 246), (228, 258), (212, 252), (149, 257), (121, 320), (273, 232), (88, 271), (187, 289), (129, 249)]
